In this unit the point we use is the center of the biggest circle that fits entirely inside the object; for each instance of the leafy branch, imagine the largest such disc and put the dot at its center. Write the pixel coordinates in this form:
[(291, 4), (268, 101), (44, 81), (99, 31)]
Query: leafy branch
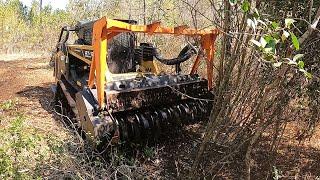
[(277, 36)]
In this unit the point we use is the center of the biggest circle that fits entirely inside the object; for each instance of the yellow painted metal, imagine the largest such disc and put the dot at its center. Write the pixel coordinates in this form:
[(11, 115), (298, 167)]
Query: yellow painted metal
[(75, 54), (118, 26), (149, 66), (83, 47)]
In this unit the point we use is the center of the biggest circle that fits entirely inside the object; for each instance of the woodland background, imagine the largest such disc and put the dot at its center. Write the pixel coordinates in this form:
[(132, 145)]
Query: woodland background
[(267, 86)]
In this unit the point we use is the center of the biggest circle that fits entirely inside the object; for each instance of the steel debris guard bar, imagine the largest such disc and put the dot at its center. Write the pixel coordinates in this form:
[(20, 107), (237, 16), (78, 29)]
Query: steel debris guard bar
[(104, 29)]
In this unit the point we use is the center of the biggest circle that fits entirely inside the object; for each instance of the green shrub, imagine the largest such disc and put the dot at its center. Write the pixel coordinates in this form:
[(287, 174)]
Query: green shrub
[(8, 105), (24, 151)]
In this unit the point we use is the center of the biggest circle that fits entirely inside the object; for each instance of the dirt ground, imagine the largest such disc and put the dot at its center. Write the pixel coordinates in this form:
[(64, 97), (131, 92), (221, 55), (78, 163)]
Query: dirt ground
[(28, 81)]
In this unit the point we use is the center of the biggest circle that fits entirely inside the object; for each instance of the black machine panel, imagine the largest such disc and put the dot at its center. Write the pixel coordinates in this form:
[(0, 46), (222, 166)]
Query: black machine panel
[(120, 48)]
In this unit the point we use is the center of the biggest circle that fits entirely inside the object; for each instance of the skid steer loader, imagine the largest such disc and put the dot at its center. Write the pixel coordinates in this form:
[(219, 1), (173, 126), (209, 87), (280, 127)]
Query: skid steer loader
[(114, 88)]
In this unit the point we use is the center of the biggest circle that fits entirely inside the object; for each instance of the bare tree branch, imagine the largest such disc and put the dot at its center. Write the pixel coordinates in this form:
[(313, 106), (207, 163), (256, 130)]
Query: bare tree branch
[(311, 28)]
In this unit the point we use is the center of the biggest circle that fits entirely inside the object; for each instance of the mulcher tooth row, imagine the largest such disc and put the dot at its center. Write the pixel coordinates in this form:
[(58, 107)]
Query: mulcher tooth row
[(146, 124)]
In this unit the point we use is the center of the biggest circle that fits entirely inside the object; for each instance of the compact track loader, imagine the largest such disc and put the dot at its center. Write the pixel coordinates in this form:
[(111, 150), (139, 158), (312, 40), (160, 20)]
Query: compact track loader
[(114, 88)]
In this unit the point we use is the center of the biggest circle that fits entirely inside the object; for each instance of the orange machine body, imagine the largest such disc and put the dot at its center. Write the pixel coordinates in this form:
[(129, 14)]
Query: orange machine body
[(104, 29)]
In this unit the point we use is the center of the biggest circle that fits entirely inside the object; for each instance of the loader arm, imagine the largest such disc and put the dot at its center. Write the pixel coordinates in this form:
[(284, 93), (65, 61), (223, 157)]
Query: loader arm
[(105, 29)]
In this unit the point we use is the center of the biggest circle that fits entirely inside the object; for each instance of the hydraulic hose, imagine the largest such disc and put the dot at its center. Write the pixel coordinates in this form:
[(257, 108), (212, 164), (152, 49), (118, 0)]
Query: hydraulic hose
[(186, 53)]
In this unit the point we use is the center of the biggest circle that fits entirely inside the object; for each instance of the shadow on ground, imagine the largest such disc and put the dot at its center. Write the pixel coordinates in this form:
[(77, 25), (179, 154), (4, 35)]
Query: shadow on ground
[(291, 162), (42, 94)]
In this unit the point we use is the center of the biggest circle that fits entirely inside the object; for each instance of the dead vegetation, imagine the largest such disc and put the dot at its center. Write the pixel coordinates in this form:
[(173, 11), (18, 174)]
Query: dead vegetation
[(264, 123), (48, 147), (259, 98), (39, 143), (64, 155)]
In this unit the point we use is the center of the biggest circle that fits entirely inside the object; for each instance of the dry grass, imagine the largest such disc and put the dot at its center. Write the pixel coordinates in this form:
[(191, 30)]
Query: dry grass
[(37, 142)]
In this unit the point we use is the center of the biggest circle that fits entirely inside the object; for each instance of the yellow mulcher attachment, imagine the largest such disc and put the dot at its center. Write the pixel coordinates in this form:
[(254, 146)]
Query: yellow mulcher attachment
[(113, 86)]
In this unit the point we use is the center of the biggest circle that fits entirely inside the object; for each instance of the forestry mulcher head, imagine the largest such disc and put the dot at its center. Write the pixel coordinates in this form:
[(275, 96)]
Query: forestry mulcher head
[(114, 88)]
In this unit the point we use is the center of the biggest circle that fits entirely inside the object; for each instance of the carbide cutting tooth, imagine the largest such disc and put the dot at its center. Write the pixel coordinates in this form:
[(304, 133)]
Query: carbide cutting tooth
[(176, 114), (187, 111), (197, 110), (203, 107), (154, 129), (193, 111), (187, 108), (157, 126), (123, 128), (156, 117), (149, 119), (145, 122), (164, 116), (135, 129), (170, 114), (138, 125), (136, 118), (179, 110), (184, 113)]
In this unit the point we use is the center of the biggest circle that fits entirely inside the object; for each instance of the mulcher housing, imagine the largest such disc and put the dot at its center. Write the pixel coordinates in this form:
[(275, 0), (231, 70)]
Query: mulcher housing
[(114, 87)]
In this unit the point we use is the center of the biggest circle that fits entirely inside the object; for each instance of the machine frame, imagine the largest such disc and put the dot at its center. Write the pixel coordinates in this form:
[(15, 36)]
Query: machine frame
[(105, 29), (102, 108)]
